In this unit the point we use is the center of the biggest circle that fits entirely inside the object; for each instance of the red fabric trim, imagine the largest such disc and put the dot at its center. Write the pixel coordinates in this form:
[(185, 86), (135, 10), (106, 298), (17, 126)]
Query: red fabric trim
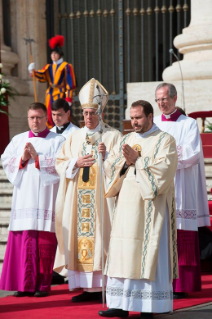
[(37, 165), (24, 165), (200, 114)]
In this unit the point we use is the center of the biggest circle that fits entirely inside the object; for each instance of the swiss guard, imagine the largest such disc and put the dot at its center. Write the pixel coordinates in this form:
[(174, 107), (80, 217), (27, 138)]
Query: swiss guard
[(59, 75)]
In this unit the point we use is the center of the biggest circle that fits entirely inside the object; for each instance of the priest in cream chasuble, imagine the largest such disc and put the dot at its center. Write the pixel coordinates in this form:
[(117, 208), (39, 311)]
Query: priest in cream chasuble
[(142, 256), (78, 216)]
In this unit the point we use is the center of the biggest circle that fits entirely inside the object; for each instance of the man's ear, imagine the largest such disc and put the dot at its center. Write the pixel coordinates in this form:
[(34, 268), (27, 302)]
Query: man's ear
[(150, 117), (69, 112)]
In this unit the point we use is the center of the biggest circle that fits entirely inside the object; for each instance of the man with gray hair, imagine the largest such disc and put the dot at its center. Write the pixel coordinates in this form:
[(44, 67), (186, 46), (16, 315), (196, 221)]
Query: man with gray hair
[(78, 217), (190, 188)]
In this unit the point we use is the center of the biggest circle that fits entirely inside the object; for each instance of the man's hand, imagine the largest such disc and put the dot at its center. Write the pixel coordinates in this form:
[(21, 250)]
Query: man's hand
[(130, 154), (31, 67), (102, 149), (26, 155), (32, 151), (85, 161)]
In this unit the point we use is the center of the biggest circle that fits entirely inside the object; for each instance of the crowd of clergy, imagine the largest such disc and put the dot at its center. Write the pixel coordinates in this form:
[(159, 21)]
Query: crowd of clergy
[(154, 200)]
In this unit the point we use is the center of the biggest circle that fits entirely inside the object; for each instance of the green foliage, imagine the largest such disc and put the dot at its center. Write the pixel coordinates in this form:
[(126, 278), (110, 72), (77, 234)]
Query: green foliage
[(6, 93), (209, 126)]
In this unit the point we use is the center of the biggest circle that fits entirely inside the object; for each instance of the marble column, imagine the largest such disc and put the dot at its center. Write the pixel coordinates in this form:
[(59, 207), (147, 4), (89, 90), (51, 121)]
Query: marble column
[(28, 20), (195, 43)]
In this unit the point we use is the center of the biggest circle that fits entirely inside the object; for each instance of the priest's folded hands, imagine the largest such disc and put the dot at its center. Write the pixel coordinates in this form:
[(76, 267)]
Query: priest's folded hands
[(29, 151), (130, 154)]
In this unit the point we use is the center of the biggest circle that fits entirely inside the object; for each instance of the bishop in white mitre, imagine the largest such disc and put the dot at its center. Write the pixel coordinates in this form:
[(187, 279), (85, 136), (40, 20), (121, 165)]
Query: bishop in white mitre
[(29, 163), (142, 255), (78, 215)]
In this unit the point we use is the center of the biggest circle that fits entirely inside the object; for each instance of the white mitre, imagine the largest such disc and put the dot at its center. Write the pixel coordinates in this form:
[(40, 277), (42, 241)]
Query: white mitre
[(91, 94)]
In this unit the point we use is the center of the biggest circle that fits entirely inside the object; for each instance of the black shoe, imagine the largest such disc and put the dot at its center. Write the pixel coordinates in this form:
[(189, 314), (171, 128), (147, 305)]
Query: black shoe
[(147, 315), (23, 294), (110, 313), (179, 295), (41, 294), (88, 296)]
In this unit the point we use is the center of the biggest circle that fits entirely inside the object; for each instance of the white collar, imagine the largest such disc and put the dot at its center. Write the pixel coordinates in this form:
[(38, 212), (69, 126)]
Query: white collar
[(153, 129), (167, 116), (36, 133), (58, 61), (88, 131)]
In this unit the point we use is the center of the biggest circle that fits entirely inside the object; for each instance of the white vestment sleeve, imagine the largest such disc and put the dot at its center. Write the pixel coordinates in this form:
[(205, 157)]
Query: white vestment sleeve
[(10, 164), (71, 170), (189, 151), (48, 173)]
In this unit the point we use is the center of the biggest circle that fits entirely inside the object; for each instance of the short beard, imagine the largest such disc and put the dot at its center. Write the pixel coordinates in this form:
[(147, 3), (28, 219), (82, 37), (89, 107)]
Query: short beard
[(142, 129)]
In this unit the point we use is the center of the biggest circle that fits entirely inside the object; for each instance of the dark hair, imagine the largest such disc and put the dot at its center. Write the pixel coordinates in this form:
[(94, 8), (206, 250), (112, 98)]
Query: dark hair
[(147, 107), (171, 89), (37, 106), (63, 104), (58, 50), (180, 110), (60, 104)]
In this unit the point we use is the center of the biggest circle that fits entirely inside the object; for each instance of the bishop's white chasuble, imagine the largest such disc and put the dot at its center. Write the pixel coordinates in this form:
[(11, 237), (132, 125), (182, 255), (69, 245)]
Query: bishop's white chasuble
[(78, 216)]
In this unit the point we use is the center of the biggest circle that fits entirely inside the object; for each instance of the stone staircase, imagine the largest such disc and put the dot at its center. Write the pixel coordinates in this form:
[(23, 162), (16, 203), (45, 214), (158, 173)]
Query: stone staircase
[(6, 189)]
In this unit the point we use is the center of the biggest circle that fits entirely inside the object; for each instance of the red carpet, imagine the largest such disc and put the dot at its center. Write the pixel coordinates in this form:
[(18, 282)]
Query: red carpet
[(58, 305)]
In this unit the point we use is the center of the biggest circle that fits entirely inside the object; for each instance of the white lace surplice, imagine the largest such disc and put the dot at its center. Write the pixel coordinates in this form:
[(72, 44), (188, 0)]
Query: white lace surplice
[(190, 183), (34, 194)]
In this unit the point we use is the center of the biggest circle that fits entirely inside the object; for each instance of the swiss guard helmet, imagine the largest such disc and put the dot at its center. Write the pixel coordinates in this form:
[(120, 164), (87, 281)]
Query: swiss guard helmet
[(56, 44)]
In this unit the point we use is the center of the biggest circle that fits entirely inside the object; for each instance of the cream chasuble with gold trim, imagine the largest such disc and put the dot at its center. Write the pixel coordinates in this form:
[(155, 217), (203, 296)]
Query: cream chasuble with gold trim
[(144, 192), (78, 216)]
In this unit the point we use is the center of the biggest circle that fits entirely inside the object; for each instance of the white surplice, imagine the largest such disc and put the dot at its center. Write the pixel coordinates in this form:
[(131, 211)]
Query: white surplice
[(192, 211), (35, 190), (69, 129)]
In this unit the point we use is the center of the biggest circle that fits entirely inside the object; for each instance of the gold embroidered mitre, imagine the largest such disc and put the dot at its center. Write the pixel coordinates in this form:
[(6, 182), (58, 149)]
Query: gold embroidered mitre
[(91, 94)]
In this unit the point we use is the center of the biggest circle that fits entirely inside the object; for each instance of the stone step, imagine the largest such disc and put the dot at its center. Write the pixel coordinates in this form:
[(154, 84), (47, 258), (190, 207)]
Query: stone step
[(4, 229), (5, 202), (208, 174), (3, 238), (208, 161), (4, 222), (2, 253), (8, 191), (3, 176), (5, 214), (208, 169)]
